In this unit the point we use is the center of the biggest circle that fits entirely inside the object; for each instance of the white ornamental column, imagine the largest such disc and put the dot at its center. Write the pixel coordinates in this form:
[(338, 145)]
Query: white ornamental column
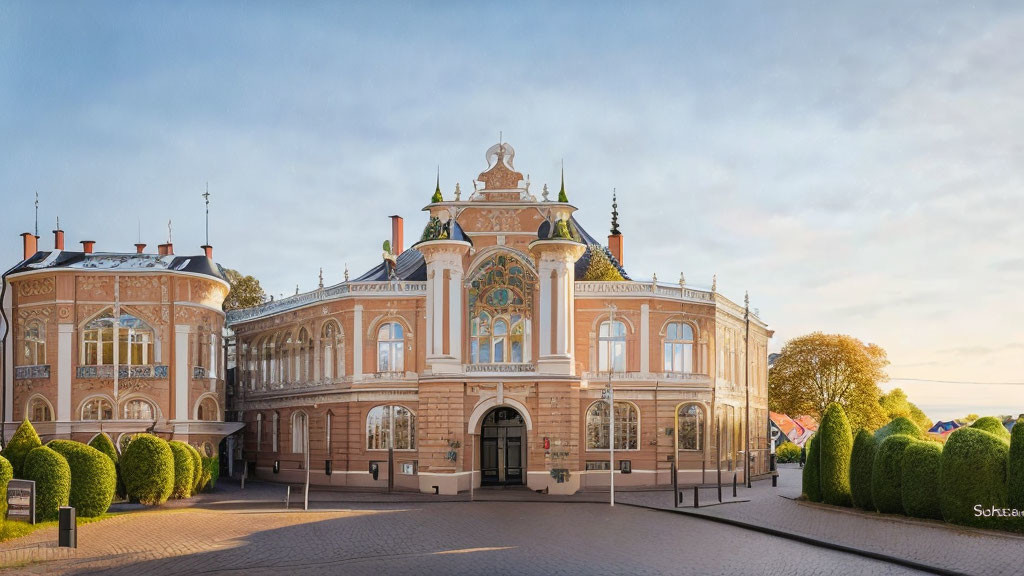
[(444, 260), (556, 260)]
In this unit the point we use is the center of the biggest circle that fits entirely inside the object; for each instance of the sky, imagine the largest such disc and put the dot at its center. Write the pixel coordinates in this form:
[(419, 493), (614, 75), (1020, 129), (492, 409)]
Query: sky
[(858, 168)]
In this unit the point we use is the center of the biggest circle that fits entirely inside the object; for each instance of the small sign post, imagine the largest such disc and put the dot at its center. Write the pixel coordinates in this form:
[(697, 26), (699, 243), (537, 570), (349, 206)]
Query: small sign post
[(21, 501)]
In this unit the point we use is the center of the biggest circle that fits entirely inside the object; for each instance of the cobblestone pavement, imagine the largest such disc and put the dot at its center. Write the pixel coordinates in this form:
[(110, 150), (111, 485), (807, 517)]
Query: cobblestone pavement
[(441, 538), (928, 542)]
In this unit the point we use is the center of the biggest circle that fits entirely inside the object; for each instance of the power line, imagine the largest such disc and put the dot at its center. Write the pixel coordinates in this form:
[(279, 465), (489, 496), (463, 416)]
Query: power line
[(958, 382)]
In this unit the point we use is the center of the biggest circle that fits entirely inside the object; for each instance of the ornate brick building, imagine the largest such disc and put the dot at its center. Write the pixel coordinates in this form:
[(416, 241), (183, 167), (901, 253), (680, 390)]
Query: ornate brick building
[(480, 355), (114, 343)]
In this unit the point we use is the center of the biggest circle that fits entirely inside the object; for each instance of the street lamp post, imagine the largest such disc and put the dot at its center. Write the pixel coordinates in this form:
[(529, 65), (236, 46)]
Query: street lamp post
[(305, 441), (609, 395)]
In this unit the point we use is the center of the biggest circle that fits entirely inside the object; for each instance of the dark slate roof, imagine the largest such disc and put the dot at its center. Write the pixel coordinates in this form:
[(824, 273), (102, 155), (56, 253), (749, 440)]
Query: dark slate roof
[(411, 266), (584, 262), (116, 261)]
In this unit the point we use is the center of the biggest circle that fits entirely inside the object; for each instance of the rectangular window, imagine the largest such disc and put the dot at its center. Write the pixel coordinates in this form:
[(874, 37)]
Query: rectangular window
[(598, 465)]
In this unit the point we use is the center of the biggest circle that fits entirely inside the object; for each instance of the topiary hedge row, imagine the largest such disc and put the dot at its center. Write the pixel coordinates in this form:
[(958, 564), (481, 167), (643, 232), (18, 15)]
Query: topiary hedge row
[(24, 441), (147, 465), (899, 425), (922, 465), (52, 476), (197, 468), (862, 461), (211, 472), (104, 444), (887, 474), (6, 473), (836, 443), (974, 474), (184, 469), (1015, 468), (812, 471), (992, 425), (93, 477)]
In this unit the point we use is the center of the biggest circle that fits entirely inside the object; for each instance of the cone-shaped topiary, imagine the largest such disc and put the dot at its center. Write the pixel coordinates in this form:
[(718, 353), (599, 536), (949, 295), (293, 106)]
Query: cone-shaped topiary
[(836, 443), (1015, 467), (887, 474), (104, 444), (184, 469), (812, 471), (600, 267), (24, 441), (93, 477), (148, 468), (52, 476), (862, 460), (973, 474), (992, 425), (899, 425), (922, 465), (197, 468), (6, 473)]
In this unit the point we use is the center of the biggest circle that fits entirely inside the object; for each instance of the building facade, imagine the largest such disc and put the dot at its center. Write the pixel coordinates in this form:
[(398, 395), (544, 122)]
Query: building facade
[(480, 356), (115, 343)]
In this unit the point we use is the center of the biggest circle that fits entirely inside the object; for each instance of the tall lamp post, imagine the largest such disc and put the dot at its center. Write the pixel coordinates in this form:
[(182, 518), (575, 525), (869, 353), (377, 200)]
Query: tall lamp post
[(609, 395)]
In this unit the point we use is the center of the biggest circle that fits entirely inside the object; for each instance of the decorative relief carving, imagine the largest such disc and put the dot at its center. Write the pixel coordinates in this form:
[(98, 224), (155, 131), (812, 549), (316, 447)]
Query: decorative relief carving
[(95, 287), (64, 312), (140, 288), (34, 312), (35, 287)]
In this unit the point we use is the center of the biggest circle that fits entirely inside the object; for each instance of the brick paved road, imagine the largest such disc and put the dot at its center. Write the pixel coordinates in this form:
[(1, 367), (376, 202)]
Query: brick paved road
[(443, 538)]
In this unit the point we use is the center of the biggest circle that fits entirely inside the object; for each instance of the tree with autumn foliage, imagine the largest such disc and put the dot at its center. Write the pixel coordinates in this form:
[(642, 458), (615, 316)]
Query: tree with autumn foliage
[(818, 369), (245, 291)]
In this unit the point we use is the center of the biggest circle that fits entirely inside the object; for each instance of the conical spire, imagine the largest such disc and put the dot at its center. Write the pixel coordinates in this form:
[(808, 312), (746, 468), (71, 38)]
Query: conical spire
[(615, 215), (561, 193), (437, 189)]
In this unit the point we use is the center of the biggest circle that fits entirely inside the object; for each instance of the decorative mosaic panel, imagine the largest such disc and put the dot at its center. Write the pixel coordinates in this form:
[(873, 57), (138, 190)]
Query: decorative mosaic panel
[(90, 372), (31, 372)]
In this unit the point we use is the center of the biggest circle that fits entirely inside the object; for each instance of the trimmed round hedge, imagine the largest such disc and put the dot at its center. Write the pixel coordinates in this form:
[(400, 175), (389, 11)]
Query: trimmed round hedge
[(812, 471), (93, 477), (887, 474), (52, 476), (973, 474), (104, 444), (211, 472), (6, 473), (992, 425), (862, 461), (899, 425), (836, 442), (184, 469), (197, 467), (922, 466), (24, 441), (1015, 467), (787, 453), (147, 465)]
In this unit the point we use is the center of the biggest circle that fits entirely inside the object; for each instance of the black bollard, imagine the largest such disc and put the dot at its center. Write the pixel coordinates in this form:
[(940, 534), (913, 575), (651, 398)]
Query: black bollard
[(733, 484), (696, 497), (775, 480), (67, 527)]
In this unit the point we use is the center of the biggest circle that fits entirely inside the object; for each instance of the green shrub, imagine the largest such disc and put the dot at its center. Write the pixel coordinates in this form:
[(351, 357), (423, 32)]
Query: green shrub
[(184, 469), (24, 441), (787, 453), (93, 477), (834, 456), (887, 474), (148, 468), (197, 468), (52, 476), (899, 425), (103, 443), (812, 471), (1015, 467), (992, 425), (6, 473), (973, 474), (922, 465), (211, 472), (862, 462)]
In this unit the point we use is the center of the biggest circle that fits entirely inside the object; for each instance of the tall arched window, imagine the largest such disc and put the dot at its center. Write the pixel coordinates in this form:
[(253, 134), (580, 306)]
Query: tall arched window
[(138, 409), (690, 427), (134, 340), (97, 409), (300, 432), (330, 351), (39, 410), (500, 305), (390, 348), (302, 361), (34, 343), (611, 347), (208, 411), (285, 353), (627, 426), (678, 347), (98, 340), (267, 357), (390, 427)]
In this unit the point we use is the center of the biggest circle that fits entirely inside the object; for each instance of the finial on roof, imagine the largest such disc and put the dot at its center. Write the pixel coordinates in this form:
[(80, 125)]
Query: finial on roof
[(561, 193), (544, 194), (437, 190), (615, 215), (346, 271), (682, 280), (58, 222), (458, 192), (37, 213), (654, 278), (321, 278), (714, 283), (746, 300), (169, 232), (296, 289)]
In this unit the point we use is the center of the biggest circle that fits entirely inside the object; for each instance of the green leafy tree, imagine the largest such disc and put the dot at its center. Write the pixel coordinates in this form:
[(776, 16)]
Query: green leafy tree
[(246, 291), (600, 268), (24, 441), (836, 443), (818, 369), (896, 405)]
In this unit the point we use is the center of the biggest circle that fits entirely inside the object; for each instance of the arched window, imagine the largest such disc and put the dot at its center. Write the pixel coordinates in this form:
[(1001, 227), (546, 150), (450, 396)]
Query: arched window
[(134, 340), (611, 347), (302, 360), (300, 432), (390, 348), (39, 410), (35, 344), (627, 426), (500, 305), (330, 351), (678, 347), (138, 409), (690, 427), (285, 353), (268, 360), (208, 411), (97, 409), (390, 427)]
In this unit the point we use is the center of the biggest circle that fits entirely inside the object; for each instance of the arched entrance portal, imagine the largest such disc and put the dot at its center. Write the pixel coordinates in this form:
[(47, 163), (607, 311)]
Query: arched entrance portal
[(502, 448)]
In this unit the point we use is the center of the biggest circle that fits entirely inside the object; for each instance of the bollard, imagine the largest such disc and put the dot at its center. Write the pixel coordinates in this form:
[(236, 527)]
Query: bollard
[(775, 480), (287, 497), (733, 484), (675, 485), (696, 497), (67, 527)]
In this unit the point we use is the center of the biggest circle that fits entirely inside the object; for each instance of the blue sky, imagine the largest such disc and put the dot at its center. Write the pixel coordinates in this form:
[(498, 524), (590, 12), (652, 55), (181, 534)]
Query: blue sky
[(856, 168)]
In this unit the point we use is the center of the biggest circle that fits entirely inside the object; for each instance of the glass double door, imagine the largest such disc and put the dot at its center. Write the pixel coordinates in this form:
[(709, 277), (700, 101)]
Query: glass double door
[(501, 448)]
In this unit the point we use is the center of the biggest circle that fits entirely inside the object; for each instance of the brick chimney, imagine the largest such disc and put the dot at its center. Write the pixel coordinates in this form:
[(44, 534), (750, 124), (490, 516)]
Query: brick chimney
[(87, 246), (140, 248), (30, 245), (208, 250), (397, 235), (165, 249), (58, 239)]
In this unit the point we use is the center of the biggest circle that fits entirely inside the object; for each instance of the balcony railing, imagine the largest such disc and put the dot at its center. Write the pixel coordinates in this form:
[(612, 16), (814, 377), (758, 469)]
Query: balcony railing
[(31, 372), (329, 293), (107, 371)]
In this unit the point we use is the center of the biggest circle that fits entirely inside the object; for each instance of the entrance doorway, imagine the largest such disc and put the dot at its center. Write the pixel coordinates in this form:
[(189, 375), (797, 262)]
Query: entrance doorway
[(501, 448)]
